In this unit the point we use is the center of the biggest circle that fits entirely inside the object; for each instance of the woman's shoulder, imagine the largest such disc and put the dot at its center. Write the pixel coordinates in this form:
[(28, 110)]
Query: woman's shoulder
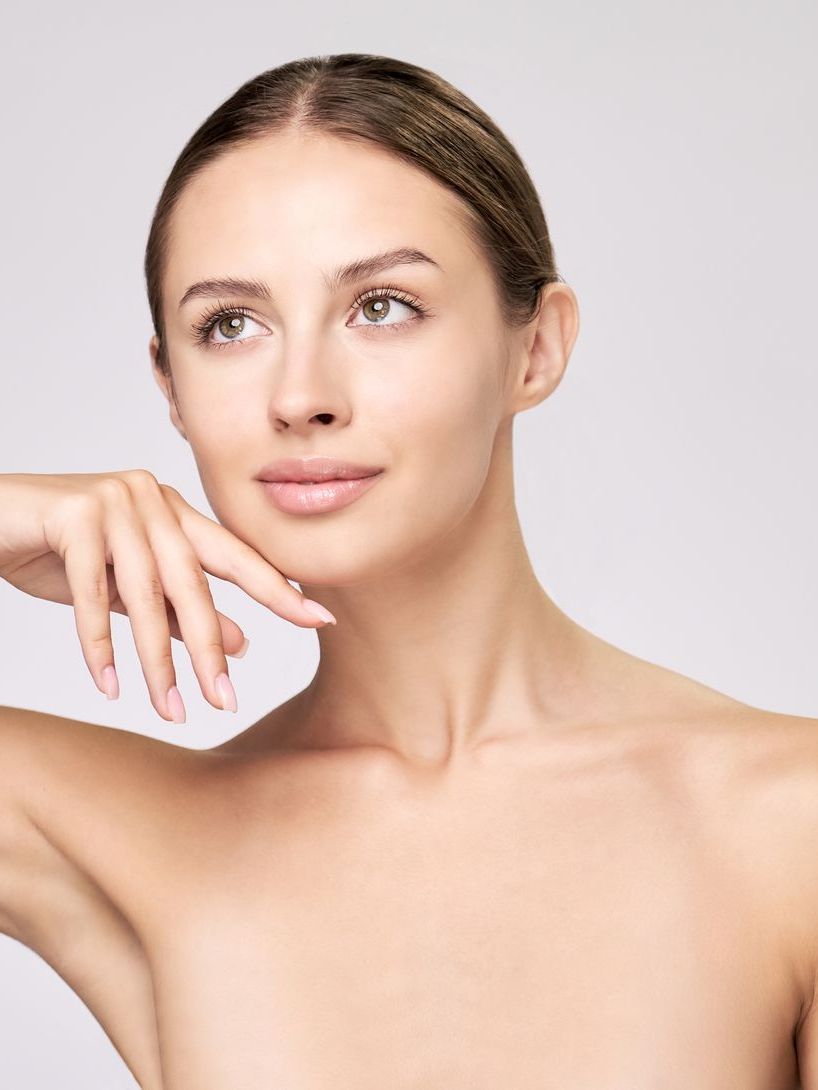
[(746, 780), (95, 792), (749, 763), (37, 745)]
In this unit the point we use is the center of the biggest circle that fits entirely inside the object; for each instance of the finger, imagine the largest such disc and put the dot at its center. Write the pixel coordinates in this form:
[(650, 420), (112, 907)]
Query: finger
[(85, 571), (223, 554), (187, 588), (234, 641), (143, 596)]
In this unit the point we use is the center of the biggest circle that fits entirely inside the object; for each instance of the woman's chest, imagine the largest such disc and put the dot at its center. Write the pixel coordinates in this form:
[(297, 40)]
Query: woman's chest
[(514, 944)]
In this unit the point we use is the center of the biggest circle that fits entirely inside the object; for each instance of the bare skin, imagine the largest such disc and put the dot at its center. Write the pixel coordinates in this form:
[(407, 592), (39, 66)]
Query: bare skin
[(483, 847), (621, 904)]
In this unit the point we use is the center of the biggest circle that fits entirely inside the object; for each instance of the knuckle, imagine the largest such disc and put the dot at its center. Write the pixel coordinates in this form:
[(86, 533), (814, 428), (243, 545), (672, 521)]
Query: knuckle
[(207, 659), (213, 647), (97, 589), (170, 493), (233, 569), (231, 565), (162, 661), (140, 478), (194, 579), (151, 593), (112, 488), (238, 558)]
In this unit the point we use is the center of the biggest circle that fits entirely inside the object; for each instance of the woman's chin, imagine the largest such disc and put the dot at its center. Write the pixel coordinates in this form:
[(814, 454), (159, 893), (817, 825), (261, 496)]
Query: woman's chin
[(325, 576), (356, 570)]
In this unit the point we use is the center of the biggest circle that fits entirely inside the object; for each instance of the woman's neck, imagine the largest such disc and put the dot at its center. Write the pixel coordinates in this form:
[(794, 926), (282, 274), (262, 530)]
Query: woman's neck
[(449, 654)]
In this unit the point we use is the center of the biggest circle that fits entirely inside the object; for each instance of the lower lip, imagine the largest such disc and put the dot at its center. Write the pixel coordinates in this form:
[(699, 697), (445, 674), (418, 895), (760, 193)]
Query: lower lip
[(312, 499)]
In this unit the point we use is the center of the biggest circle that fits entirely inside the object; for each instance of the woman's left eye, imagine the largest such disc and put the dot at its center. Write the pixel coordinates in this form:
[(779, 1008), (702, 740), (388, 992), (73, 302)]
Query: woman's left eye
[(378, 306)]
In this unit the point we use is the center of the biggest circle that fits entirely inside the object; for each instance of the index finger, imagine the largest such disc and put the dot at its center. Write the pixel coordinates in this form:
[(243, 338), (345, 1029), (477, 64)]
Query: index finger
[(224, 555)]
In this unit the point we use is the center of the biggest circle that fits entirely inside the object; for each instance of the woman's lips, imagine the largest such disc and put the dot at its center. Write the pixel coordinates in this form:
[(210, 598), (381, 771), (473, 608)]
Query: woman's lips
[(308, 499)]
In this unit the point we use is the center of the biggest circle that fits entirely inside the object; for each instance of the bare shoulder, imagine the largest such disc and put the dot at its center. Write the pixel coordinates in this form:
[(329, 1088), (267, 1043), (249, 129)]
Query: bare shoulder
[(50, 757), (775, 785), (769, 758), (709, 737), (73, 800), (752, 772), (743, 780), (778, 780), (23, 730), (750, 776), (97, 794)]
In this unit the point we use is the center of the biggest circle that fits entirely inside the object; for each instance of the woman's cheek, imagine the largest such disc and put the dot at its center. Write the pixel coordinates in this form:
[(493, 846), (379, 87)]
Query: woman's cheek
[(452, 453)]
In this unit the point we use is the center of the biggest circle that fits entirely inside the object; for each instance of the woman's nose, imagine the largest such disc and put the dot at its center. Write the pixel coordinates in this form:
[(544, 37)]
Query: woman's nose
[(305, 396)]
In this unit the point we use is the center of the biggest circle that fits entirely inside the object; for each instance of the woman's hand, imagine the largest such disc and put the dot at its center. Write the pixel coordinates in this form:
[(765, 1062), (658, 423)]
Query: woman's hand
[(123, 541)]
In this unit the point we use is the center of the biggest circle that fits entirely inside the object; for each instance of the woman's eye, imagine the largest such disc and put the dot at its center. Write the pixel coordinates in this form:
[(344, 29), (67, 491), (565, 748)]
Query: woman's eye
[(379, 308), (229, 327), (222, 327)]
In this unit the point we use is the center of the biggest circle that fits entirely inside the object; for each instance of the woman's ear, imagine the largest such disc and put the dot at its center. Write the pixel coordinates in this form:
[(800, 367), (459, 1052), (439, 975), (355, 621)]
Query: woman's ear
[(165, 384), (545, 345)]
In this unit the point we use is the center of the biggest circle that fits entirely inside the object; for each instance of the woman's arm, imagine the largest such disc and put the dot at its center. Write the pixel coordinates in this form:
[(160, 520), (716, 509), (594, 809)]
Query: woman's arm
[(85, 810), (50, 904)]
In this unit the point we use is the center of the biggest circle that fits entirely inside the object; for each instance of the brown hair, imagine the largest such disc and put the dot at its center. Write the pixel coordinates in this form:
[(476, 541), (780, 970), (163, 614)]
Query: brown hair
[(411, 112)]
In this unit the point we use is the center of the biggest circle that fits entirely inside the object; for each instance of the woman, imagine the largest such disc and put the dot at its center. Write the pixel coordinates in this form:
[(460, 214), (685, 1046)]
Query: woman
[(483, 847)]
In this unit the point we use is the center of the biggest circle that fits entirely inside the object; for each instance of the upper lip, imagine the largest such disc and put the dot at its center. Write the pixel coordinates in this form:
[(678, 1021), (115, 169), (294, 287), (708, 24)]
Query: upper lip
[(314, 469)]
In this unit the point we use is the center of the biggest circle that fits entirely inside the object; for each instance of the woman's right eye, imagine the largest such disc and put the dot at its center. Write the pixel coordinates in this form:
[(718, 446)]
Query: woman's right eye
[(227, 326)]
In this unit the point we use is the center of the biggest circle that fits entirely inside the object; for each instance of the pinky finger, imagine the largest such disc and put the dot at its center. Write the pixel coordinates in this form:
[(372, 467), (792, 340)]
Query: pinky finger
[(86, 573)]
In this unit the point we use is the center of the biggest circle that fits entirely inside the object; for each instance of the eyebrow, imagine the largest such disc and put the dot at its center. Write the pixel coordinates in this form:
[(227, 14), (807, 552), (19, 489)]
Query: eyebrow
[(339, 278)]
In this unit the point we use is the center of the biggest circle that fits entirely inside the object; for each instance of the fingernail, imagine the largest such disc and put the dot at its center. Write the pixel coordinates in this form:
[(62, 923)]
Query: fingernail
[(318, 610), (176, 706), (227, 694), (242, 651), (110, 683)]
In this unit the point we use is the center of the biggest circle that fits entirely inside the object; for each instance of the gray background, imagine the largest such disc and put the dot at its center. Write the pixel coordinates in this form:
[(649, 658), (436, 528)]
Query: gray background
[(666, 489)]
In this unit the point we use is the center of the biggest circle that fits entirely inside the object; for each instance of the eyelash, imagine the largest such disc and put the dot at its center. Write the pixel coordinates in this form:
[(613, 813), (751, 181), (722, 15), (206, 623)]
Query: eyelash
[(201, 329)]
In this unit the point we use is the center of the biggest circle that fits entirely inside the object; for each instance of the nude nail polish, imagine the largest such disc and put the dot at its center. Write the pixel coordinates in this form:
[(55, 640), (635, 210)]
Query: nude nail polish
[(176, 706), (110, 682), (227, 694), (318, 610)]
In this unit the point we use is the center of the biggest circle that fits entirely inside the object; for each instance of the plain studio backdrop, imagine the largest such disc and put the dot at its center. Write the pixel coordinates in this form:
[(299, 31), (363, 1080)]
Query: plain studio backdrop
[(667, 489)]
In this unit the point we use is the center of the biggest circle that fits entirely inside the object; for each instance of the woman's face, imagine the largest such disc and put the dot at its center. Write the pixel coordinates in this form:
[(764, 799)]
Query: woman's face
[(315, 370)]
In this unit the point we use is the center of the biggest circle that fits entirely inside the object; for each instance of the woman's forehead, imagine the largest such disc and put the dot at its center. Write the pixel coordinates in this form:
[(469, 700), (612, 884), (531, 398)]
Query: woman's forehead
[(286, 177), (314, 202)]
